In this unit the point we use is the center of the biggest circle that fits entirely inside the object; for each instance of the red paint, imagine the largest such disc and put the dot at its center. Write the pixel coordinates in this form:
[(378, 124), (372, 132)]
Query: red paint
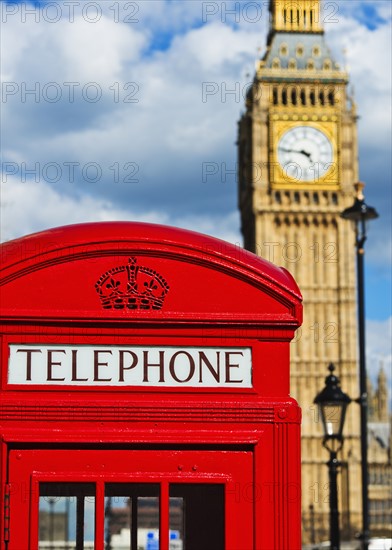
[(132, 285)]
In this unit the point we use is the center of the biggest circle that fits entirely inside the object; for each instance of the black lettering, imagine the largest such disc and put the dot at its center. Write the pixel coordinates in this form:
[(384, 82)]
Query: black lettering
[(98, 364), (28, 360), (121, 367), (75, 368), (231, 366), (191, 366), (147, 365), (51, 364), (204, 359)]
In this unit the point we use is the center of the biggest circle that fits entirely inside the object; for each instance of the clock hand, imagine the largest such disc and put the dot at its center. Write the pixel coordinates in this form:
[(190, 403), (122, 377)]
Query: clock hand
[(287, 150), (309, 155), (302, 152)]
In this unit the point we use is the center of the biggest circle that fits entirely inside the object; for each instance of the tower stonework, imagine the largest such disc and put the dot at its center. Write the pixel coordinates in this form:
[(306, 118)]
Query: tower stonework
[(298, 162)]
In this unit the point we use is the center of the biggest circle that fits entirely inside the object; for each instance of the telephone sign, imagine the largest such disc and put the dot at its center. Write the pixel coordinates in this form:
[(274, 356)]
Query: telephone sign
[(145, 399), (129, 366)]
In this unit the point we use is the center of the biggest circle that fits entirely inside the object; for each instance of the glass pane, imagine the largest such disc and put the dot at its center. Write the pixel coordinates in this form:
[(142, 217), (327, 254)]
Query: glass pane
[(148, 523), (176, 523), (197, 513), (66, 516), (132, 516), (118, 521)]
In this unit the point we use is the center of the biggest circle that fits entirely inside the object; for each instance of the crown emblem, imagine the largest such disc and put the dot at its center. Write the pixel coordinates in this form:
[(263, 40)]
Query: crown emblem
[(132, 287)]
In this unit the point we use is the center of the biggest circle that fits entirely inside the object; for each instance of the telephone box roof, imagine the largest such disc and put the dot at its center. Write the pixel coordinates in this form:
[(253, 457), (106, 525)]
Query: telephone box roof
[(92, 241)]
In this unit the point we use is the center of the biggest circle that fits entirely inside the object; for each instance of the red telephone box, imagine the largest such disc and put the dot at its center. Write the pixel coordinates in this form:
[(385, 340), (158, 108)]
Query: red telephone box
[(145, 393)]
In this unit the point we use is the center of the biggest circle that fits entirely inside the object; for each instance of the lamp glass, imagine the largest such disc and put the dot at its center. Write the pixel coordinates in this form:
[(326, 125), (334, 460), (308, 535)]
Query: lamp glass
[(332, 417)]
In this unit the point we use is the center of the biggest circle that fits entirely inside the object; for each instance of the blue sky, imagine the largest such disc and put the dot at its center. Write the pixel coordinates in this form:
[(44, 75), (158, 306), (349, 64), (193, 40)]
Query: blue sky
[(367, 13), (104, 116)]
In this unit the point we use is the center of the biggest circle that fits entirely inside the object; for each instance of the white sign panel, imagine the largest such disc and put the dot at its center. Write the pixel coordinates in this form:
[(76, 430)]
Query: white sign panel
[(48, 365)]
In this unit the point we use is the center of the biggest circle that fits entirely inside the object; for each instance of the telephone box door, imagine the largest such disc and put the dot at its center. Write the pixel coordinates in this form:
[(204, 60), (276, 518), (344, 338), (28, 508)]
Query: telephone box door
[(130, 500)]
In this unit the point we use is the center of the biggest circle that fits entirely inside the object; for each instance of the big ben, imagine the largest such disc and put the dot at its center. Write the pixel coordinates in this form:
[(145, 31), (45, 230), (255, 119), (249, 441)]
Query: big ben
[(298, 162)]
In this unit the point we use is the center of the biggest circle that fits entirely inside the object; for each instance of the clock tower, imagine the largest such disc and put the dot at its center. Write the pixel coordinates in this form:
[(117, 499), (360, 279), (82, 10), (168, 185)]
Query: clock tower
[(298, 162)]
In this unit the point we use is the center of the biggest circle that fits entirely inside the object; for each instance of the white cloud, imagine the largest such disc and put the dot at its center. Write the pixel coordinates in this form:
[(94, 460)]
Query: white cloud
[(90, 59), (47, 208), (384, 8), (210, 48), (169, 132), (69, 51), (367, 54), (369, 12)]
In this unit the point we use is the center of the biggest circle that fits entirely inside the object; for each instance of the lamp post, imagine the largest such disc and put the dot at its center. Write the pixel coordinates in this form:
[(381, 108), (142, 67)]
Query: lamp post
[(360, 214), (332, 403)]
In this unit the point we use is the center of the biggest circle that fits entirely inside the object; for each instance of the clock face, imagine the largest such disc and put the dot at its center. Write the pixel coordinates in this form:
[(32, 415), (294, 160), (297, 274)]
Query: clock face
[(305, 153)]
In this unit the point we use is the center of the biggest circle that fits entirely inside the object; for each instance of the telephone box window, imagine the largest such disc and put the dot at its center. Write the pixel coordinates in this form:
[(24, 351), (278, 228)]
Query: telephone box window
[(66, 515), (203, 514), (131, 515), (196, 516)]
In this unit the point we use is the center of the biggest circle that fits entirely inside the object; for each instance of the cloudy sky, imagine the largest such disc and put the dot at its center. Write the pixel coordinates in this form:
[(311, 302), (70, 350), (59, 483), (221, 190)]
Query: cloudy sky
[(120, 110)]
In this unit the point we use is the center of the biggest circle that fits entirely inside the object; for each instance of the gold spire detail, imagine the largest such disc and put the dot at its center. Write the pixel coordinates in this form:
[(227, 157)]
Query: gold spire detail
[(296, 15)]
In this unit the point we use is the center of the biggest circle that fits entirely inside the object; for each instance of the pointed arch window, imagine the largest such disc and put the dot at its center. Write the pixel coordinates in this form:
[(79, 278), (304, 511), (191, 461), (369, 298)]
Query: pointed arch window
[(316, 52), (292, 64), (275, 95), (294, 96), (284, 50)]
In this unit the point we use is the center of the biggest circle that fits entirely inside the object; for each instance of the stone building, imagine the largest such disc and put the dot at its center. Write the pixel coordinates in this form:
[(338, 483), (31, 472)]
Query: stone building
[(379, 458)]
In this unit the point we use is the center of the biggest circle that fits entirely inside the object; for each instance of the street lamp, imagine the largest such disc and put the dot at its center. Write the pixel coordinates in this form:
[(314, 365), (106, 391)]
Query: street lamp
[(360, 214), (332, 403)]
